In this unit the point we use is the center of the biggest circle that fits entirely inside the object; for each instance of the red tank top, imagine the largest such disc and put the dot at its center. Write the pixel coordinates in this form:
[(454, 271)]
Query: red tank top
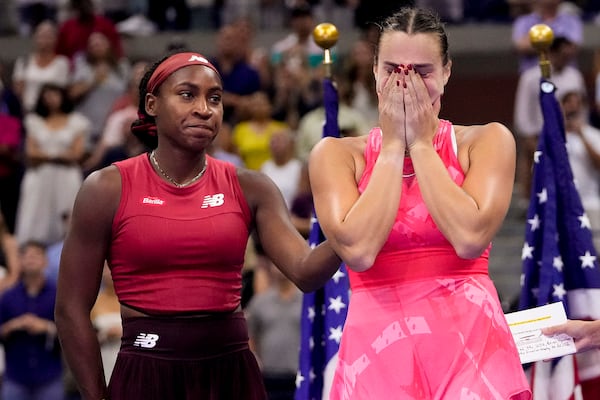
[(179, 250)]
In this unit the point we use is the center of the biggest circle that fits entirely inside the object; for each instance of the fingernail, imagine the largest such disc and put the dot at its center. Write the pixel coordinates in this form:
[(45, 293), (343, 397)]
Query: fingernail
[(404, 84), (397, 83), (410, 66), (406, 71)]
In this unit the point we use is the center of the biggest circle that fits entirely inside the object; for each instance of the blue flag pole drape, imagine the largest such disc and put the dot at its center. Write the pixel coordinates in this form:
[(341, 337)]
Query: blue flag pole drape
[(323, 311), (559, 259)]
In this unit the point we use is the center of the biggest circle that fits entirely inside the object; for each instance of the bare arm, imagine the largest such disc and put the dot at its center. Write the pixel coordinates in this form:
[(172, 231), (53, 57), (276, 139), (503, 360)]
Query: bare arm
[(358, 224), (308, 268), (469, 215), (82, 261)]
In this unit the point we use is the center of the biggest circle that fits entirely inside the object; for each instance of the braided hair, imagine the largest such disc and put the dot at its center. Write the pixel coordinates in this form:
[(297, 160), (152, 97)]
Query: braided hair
[(413, 20), (144, 128)]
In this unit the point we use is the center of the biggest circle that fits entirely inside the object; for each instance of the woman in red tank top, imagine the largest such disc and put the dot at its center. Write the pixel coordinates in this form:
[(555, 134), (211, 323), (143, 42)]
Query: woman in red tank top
[(173, 225)]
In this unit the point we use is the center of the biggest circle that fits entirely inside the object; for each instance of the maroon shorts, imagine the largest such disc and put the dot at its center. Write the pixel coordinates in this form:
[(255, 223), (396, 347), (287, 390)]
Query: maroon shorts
[(186, 359)]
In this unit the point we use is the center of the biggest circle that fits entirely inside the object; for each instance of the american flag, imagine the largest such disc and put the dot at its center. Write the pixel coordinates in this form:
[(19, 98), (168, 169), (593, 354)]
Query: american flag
[(323, 311), (559, 259)]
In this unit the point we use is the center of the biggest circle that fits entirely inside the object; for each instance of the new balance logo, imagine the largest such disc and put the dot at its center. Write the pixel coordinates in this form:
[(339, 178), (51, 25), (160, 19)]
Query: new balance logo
[(146, 340), (153, 200), (198, 59), (214, 200)]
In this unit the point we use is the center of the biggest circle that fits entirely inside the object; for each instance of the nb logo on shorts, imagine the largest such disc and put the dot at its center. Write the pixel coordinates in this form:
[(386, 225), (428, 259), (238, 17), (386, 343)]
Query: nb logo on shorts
[(146, 340), (214, 200)]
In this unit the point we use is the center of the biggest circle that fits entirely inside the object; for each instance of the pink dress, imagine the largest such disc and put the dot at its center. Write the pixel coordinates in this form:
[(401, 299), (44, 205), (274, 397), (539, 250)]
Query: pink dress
[(422, 322)]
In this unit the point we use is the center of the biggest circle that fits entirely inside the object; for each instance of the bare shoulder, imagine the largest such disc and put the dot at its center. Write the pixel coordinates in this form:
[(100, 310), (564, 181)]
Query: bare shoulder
[(492, 132), (346, 152), (350, 145), (100, 192), (250, 178), (104, 181), (257, 187)]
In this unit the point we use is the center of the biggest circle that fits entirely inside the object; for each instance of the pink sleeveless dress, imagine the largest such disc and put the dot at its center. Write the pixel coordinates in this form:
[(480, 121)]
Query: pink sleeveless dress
[(422, 322)]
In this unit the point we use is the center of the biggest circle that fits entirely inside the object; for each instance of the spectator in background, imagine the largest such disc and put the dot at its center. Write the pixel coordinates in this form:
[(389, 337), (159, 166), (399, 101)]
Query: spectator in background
[(298, 47), (256, 55), (99, 79), (350, 120), (283, 167), (74, 32), (563, 23), (252, 136), (53, 151), (295, 91), (274, 331), (357, 71), (240, 78), (32, 353), (117, 130), (42, 65), (11, 143), (528, 118), (222, 147), (583, 147)]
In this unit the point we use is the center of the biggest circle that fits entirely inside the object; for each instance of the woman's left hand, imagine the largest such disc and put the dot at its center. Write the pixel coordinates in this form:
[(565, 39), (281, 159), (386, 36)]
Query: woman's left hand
[(421, 120)]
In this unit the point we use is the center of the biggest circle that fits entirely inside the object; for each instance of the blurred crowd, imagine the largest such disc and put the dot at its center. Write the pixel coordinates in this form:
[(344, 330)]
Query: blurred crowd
[(139, 17), (67, 104)]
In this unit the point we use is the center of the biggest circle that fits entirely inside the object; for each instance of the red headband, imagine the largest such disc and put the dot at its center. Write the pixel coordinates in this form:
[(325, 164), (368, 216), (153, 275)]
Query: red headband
[(172, 64)]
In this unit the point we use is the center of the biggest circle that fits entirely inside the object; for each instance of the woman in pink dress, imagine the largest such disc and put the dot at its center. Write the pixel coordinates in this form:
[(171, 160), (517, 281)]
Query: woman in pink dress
[(412, 209)]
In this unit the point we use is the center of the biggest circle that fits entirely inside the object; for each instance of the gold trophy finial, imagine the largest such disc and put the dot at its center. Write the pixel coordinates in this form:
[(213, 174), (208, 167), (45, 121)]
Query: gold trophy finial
[(326, 36), (541, 37)]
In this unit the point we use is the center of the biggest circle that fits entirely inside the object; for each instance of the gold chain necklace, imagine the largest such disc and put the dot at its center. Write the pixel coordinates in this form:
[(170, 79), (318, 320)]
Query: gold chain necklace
[(173, 181)]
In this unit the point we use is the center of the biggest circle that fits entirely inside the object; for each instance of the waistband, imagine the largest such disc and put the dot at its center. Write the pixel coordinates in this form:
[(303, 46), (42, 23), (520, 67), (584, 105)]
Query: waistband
[(400, 267), (185, 338)]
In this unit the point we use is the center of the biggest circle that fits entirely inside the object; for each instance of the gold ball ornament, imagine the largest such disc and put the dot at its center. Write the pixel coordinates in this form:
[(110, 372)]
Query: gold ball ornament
[(326, 35), (541, 37)]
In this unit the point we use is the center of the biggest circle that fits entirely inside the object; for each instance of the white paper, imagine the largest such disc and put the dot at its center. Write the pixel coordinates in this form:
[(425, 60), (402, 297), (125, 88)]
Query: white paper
[(526, 326)]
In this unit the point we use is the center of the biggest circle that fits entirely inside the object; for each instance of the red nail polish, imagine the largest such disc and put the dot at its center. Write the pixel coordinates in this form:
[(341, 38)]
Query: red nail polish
[(404, 84), (406, 72), (410, 66), (397, 83)]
